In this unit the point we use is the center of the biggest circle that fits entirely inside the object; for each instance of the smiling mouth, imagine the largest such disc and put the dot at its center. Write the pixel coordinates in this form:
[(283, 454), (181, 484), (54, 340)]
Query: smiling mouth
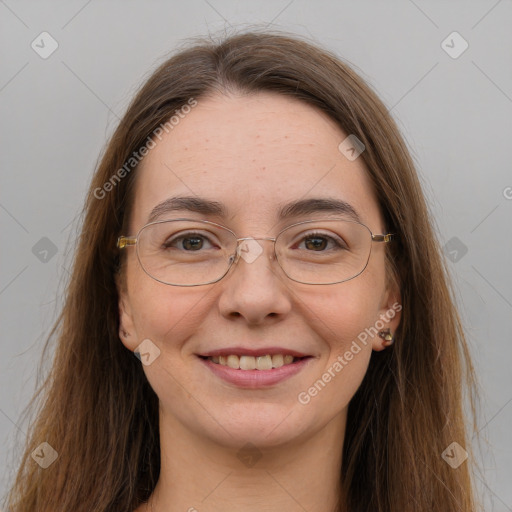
[(266, 362)]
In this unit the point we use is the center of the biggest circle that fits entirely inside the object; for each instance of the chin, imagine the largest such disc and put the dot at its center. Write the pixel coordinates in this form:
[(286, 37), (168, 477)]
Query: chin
[(264, 425)]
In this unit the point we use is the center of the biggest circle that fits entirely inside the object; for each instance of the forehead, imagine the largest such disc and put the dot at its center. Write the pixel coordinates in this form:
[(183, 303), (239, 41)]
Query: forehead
[(252, 153)]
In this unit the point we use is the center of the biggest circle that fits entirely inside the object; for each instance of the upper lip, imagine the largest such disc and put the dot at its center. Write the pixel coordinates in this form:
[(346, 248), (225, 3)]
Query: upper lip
[(242, 351)]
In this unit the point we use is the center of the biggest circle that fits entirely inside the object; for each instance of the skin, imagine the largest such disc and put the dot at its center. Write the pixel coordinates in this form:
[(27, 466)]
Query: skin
[(252, 153)]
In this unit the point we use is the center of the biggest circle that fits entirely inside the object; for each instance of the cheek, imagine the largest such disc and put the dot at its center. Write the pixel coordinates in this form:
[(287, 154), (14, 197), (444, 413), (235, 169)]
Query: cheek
[(344, 319), (163, 312), (345, 311)]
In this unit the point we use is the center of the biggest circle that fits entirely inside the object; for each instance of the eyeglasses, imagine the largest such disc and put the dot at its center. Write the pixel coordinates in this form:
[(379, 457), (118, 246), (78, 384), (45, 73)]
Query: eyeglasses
[(187, 252)]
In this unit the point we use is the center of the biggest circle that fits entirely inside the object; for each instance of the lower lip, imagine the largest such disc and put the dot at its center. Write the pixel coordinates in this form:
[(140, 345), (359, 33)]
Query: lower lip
[(256, 378)]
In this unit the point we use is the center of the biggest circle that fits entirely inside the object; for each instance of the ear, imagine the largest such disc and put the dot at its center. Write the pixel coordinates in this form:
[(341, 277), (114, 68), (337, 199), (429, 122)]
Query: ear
[(389, 315), (127, 332)]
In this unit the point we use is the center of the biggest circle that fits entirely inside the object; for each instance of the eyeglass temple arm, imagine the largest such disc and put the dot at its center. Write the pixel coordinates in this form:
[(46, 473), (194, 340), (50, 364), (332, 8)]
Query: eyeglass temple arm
[(383, 238), (124, 241)]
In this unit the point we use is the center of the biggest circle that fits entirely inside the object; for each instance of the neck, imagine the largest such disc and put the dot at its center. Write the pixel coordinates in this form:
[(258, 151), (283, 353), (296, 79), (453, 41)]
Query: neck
[(199, 475)]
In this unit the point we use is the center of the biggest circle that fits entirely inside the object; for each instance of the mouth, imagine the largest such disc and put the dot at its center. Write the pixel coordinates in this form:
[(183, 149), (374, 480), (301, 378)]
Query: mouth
[(255, 368)]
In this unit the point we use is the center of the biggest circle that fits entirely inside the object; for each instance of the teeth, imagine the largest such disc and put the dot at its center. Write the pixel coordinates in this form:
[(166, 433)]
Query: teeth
[(277, 361), (247, 363), (234, 362), (266, 362)]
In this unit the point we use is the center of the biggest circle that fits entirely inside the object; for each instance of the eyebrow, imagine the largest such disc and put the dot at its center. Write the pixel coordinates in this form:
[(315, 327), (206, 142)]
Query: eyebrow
[(286, 211)]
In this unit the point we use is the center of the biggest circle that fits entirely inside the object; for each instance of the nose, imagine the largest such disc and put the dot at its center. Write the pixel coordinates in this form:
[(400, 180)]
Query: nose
[(255, 287)]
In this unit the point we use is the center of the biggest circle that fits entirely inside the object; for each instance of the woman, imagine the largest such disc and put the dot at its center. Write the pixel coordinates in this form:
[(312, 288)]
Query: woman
[(259, 316)]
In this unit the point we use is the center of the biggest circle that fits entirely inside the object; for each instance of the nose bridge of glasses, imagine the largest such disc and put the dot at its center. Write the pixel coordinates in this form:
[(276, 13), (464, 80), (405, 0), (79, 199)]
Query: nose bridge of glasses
[(256, 238), (249, 249)]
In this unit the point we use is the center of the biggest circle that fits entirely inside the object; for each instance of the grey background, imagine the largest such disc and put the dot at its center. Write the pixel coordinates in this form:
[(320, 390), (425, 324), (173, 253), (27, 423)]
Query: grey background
[(57, 113)]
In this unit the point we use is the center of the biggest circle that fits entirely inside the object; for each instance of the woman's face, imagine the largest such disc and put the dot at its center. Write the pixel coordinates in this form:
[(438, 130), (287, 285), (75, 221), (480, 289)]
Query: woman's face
[(253, 154)]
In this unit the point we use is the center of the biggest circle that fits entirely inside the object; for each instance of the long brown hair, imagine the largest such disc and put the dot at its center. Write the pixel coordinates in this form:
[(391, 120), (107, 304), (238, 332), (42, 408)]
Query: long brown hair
[(96, 407)]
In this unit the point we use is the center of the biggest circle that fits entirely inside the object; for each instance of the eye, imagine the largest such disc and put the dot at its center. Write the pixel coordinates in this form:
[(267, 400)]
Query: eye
[(192, 241), (319, 242)]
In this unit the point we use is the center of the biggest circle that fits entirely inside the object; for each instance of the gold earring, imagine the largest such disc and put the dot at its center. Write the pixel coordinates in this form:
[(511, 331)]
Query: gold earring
[(388, 337)]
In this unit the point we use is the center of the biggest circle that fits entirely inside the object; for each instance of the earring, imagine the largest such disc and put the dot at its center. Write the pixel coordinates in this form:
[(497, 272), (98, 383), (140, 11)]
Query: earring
[(388, 337), (124, 334)]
